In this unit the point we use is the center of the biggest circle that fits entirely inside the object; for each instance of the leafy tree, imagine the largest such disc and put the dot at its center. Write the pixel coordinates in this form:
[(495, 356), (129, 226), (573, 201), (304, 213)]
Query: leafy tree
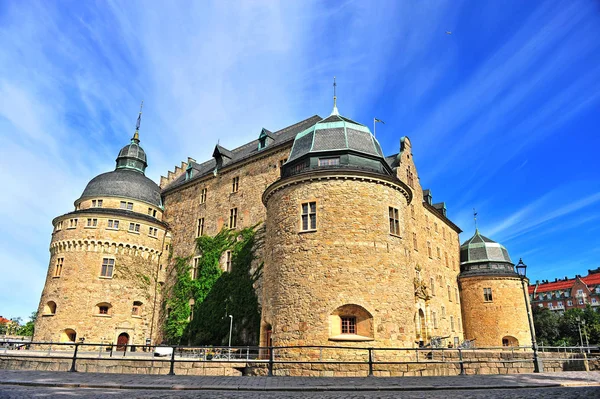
[(546, 324), (27, 328)]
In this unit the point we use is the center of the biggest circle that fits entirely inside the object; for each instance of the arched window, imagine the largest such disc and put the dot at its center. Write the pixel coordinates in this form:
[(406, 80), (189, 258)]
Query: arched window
[(68, 335), (104, 309), (50, 308), (351, 323), (136, 309), (509, 341)]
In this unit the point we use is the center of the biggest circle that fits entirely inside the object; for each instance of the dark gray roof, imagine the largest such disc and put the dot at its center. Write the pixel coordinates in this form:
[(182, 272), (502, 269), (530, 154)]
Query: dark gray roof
[(123, 183), (248, 150), (133, 150), (481, 255)]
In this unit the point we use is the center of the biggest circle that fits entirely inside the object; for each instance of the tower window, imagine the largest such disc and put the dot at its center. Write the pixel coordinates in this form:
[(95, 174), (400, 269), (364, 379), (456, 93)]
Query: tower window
[(200, 230), (126, 205), (434, 319), (113, 224), (103, 309), (429, 249), (196, 268), (487, 294), (415, 242), (449, 294), (59, 266), (394, 221), (432, 286), (235, 184), (59, 226), (152, 231), (136, 309), (97, 203), (281, 162), (92, 222), (309, 216), (228, 261), (452, 323), (203, 195), (233, 212), (108, 265), (329, 161), (348, 324), (134, 227), (72, 223)]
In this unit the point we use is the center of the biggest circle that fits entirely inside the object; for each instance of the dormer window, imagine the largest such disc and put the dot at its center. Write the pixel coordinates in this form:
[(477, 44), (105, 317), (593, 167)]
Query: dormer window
[(265, 138), (329, 161), (189, 172), (262, 143)]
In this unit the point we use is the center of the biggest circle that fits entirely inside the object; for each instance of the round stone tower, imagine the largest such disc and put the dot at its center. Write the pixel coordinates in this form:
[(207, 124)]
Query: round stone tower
[(105, 259), (493, 306), (335, 270)]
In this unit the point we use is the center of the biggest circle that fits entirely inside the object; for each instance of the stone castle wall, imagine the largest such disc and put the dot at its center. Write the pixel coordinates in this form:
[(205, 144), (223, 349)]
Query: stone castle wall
[(504, 316), (351, 259), (79, 288)]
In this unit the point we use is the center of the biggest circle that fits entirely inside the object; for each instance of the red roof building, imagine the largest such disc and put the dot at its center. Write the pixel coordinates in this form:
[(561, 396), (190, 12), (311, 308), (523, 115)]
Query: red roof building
[(568, 293)]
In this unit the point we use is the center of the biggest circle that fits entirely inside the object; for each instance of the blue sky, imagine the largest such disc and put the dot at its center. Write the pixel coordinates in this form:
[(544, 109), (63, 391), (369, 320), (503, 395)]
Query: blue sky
[(503, 113)]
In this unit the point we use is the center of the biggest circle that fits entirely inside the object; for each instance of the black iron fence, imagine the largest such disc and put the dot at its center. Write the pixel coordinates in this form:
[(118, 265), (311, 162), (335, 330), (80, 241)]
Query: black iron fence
[(371, 358)]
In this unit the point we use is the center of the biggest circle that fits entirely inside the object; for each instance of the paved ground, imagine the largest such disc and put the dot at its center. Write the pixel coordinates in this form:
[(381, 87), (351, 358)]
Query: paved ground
[(14, 392), (165, 382)]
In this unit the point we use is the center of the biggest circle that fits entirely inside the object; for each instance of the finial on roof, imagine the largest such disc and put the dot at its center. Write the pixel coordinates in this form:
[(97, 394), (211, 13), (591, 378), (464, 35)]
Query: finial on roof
[(136, 135), (475, 218), (335, 110)]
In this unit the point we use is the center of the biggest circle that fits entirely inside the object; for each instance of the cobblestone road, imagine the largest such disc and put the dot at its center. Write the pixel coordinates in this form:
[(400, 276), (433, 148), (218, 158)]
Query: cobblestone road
[(14, 392)]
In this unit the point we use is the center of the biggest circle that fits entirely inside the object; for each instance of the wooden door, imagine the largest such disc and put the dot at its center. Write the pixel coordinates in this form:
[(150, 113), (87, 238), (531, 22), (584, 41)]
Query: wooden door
[(122, 341)]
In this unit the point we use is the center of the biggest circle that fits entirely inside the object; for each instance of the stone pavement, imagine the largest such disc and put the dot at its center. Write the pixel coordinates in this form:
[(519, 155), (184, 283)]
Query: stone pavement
[(295, 384)]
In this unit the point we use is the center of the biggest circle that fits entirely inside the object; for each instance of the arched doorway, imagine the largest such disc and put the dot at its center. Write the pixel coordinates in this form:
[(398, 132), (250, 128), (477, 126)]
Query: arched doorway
[(122, 341), (421, 330)]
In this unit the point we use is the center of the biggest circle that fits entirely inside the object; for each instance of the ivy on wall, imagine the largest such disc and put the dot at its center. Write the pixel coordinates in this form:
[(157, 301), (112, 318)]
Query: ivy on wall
[(216, 294)]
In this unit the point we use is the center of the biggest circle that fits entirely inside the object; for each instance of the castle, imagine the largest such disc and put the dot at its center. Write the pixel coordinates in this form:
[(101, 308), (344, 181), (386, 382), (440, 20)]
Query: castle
[(355, 253)]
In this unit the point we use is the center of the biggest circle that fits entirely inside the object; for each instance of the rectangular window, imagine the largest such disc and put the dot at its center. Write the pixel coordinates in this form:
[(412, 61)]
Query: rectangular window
[(434, 318), (435, 227), (444, 233), (134, 227), (108, 265), (281, 162), (432, 286), (135, 311), (561, 305), (487, 294), (196, 268), (103, 309), (569, 303), (329, 161), (59, 226), (446, 257), (126, 205), (228, 261), (72, 223), (580, 301), (415, 241), (113, 224), (235, 185), (309, 216), (59, 266), (456, 295), (92, 222), (409, 177), (203, 195), (452, 323), (200, 229), (233, 218), (594, 301), (394, 221), (348, 325), (150, 211), (449, 294), (429, 249), (152, 231), (443, 311), (439, 254)]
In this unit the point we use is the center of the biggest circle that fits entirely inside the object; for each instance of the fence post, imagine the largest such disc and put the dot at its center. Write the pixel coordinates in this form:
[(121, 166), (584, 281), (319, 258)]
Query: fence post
[(370, 362), (73, 369), (172, 369), (111, 349), (462, 363), (271, 359)]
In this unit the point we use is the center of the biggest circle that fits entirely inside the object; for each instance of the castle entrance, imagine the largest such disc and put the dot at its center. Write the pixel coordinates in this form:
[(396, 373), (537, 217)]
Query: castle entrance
[(122, 341)]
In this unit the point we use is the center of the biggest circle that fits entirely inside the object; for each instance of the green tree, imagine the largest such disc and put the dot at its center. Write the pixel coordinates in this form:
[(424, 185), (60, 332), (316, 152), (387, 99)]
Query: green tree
[(546, 324), (27, 328)]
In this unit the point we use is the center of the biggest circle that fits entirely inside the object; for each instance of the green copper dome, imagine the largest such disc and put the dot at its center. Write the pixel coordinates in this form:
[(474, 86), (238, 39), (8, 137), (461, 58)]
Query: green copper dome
[(481, 255), (336, 142)]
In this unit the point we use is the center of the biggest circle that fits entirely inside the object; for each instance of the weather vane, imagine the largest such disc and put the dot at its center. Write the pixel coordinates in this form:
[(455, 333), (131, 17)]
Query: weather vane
[(475, 218)]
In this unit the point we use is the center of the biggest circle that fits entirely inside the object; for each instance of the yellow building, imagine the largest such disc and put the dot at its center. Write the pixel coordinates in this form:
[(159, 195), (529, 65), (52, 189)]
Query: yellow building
[(356, 252)]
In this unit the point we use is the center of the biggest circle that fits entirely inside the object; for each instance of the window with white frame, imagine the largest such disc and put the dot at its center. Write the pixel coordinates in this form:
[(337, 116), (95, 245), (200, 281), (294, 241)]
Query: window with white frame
[(108, 265), (309, 216)]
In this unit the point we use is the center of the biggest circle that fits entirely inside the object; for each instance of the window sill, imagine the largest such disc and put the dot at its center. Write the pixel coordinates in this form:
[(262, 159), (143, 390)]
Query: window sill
[(307, 231), (71, 228), (351, 337), (155, 237), (396, 235), (105, 277), (112, 228), (55, 276), (133, 232), (136, 316), (48, 314), (102, 315), (90, 227)]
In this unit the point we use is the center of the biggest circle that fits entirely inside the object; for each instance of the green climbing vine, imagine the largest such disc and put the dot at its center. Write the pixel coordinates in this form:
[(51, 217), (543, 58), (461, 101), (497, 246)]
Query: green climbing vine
[(216, 294)]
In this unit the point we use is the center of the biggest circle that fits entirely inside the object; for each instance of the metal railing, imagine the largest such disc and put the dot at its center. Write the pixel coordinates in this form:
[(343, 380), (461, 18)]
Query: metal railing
[(370, 357)]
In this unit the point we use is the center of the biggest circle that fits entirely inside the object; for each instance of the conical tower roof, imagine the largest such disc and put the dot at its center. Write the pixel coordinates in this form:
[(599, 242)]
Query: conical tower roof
[(482, 255)]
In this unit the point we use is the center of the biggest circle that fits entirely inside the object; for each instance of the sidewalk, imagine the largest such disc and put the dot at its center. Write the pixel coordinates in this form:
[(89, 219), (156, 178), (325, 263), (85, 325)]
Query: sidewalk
[(133, 381)]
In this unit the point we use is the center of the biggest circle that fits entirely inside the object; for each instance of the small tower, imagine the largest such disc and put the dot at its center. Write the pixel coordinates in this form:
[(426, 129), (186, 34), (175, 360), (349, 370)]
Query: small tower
[(493, 307)]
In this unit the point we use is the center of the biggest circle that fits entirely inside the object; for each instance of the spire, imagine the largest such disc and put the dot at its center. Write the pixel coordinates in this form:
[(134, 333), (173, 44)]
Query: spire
[(136, 135), (335, 110), (475, 218)]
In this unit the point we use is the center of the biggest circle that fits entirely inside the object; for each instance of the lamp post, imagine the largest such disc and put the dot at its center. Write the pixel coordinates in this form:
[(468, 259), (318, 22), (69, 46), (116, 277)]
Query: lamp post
[(230, 329), (538, 366)]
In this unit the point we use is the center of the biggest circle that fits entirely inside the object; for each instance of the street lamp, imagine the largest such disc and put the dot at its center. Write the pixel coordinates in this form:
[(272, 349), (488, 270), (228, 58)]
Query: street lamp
[(538, 367), (230, 329)]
